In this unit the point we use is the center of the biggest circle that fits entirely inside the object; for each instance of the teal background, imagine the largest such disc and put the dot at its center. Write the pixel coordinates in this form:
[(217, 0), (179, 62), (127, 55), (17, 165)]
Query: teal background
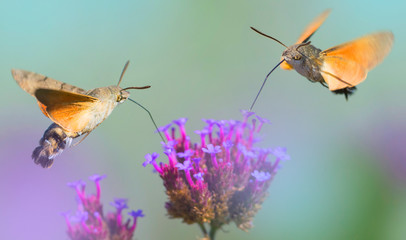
[(347, 174)]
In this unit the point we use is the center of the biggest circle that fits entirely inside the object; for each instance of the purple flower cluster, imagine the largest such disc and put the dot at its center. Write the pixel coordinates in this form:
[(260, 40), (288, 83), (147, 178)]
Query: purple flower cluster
[(222, 179), (89, 222)]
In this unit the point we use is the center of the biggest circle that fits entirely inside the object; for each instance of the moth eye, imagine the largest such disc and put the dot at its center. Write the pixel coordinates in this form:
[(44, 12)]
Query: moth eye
[(297, 57), (119, 98)]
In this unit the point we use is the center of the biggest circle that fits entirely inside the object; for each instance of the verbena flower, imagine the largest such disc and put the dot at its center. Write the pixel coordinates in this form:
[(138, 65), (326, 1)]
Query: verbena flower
[(222, 179), (89, 221)]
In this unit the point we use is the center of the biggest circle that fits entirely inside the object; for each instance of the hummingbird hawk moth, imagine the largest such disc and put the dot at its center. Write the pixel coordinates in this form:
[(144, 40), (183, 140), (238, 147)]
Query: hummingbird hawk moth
[(339, 68), (73, 110)]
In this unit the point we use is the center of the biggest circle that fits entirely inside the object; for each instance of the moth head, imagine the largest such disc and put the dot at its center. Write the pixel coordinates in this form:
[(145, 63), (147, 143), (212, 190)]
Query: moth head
[(293, 55), (122, 95)]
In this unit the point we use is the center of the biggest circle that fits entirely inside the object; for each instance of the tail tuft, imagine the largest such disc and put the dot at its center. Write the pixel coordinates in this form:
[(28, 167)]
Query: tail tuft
[(52, 143), (348, 91), (41, 156)]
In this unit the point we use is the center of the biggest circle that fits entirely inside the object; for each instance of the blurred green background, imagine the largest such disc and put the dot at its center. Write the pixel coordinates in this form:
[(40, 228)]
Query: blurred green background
[(347, 175)]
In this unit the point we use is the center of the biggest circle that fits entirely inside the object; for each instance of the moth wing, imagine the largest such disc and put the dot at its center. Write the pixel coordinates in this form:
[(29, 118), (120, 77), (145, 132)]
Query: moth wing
[(340, 73), (286, 66), (368, 51), (313, 26), (30, 82), (308, 32), (347, 64), (71, 111)]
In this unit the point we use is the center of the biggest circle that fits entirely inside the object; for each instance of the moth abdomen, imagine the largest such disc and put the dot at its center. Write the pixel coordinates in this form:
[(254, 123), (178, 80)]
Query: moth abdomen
[(52, 143)]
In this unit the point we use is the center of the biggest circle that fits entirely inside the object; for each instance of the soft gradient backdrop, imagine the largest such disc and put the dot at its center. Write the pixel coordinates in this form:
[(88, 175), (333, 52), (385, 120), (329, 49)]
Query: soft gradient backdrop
[(347, 175)]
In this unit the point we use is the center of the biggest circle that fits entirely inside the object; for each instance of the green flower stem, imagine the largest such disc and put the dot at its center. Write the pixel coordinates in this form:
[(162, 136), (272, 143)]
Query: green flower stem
[(213, 230), (204, 231)]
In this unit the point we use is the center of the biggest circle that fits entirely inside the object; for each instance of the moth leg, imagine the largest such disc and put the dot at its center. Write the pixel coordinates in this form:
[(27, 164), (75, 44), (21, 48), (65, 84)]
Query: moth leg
[(323, 84), (83, 138)]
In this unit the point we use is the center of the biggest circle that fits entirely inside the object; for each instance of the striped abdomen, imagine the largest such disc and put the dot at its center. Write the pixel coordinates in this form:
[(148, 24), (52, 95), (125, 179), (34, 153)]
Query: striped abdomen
[(52, 143)]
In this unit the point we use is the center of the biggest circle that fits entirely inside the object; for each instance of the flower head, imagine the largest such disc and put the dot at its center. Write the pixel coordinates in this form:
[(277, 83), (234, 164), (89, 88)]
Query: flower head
[(187, 154), (224, 178), (186, 165), (280, 153), (150, 158), (119, 204), (261, 176), (212, 149), (137, 213), (89, 222), (199, 176)]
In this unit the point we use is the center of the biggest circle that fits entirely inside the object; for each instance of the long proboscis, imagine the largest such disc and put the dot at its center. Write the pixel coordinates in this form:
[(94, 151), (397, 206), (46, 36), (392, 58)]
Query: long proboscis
[(150, 115), (263, 84)]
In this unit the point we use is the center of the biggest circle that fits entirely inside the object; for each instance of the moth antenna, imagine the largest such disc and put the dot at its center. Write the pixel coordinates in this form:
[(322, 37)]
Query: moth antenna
[(122, 72), (263, 34), (263, 84), (150, 115), (303, 44), (144, 87)]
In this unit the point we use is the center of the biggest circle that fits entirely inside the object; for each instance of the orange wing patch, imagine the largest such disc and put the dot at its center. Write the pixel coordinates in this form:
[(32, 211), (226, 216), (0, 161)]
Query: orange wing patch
[(340, 73), (43, 109), (368, 51), (347, 65), (71, 111), (286, 66)]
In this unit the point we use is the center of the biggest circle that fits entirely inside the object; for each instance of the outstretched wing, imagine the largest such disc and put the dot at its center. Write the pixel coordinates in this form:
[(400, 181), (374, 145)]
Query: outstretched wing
[(347, 65), (308, 33), (30, 82), (71, 111)]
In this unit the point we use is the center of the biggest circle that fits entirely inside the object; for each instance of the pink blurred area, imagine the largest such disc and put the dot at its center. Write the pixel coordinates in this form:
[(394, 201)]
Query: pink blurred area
[(387, 142), (32, 197)]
